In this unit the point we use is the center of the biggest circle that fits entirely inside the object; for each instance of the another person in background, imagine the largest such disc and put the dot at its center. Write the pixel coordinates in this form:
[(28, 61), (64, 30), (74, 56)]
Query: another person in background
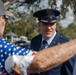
[(50, 37)]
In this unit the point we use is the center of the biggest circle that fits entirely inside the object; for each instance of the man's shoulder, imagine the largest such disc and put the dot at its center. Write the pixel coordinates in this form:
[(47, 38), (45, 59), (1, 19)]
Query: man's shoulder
[(35, 42), (37, 37), (64, 38)]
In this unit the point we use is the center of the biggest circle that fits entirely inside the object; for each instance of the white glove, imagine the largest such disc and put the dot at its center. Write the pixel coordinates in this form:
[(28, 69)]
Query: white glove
[(22, 61), (25, 62)]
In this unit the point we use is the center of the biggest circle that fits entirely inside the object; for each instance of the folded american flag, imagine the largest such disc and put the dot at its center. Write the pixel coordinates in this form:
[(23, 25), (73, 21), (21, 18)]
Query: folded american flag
[(7, 49)]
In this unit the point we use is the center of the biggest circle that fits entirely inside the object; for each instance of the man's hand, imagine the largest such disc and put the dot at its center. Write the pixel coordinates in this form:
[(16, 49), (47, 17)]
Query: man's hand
[(16, 70), (22, 63)]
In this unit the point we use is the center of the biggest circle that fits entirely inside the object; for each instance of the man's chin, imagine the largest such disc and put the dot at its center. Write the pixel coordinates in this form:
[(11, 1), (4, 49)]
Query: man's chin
[(48, 36)]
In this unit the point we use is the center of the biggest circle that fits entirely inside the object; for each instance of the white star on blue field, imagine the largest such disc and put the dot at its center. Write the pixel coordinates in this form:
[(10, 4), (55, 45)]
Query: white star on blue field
[(7, 49)]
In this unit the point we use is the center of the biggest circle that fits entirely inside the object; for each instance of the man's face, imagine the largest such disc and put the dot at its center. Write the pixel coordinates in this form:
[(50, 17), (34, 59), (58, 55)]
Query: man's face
[(47, 30), (2, 25)]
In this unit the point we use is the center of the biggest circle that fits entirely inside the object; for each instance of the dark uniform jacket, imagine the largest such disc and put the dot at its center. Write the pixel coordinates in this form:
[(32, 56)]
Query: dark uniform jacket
[(62, 69)]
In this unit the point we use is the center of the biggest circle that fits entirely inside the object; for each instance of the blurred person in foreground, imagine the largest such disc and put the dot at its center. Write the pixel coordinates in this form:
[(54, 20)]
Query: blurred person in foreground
[(50, 37), (15, 60)]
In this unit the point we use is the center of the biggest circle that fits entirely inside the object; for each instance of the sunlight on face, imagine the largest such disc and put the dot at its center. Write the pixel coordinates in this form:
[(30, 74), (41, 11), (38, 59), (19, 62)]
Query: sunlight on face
[(47, 30), (2, 25)]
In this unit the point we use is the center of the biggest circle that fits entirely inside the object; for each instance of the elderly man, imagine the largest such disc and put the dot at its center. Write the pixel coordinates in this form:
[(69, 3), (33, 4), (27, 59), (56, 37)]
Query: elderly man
[(6, 48), (11, 55)]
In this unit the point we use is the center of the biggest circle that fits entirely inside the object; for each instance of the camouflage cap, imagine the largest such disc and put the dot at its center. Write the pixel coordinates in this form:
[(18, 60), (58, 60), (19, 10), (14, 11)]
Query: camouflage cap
[(3, 11)]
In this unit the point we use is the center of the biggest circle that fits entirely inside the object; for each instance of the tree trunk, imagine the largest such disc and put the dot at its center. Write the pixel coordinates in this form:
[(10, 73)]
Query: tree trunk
[(8, 5)]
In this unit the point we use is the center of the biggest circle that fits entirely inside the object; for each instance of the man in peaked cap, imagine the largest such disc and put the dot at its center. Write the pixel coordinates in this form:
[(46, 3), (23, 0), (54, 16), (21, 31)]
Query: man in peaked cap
[(47, 24)]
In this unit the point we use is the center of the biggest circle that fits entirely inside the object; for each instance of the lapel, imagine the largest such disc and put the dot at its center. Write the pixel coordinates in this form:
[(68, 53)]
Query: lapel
[(55, 40), (39, 42)]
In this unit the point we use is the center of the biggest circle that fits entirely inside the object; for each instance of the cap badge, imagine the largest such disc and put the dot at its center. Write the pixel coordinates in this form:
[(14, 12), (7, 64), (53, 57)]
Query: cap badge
[(48, 12)]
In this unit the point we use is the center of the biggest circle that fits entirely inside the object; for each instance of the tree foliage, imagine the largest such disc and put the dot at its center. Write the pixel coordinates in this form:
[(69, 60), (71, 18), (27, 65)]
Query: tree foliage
[(70, 31), (27, 26), (23, 27)]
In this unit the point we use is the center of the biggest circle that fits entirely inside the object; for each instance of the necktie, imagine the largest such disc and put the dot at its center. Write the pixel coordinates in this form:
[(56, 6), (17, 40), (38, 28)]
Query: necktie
[(44, 44)]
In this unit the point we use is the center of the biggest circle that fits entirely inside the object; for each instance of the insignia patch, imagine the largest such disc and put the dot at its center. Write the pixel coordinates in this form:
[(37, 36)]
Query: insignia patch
[(48, 12)]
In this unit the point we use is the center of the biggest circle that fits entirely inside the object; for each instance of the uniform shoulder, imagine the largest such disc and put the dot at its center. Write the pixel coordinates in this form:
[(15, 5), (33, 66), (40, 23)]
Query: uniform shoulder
[(65, 38), (36, 37)]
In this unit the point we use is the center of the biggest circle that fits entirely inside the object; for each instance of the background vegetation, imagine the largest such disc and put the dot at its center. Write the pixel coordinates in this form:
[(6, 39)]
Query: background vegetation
[(27, 25)]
